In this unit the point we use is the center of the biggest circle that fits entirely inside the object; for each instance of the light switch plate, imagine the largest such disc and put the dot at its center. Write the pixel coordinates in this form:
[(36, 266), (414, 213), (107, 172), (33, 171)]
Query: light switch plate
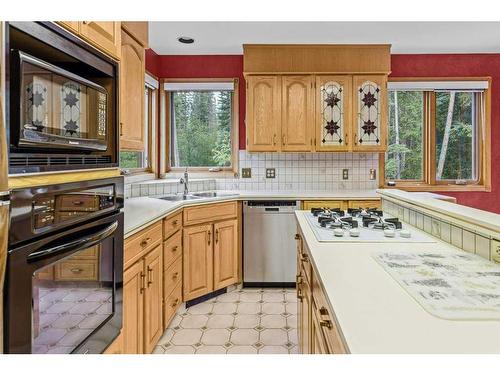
[(246, 172), (345, 174), (270, 172)]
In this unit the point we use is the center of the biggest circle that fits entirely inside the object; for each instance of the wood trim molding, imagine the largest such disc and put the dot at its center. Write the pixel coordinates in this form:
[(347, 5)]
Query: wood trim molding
[(16, 182)]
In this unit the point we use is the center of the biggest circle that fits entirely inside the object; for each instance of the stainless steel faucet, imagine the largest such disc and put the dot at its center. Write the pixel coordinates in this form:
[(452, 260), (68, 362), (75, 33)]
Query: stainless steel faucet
[(184, 180)]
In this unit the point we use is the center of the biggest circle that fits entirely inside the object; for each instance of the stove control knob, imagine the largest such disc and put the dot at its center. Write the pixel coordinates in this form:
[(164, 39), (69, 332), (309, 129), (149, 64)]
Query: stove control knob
[(389, 232), (354, 232), (338, 232), (405, 233)]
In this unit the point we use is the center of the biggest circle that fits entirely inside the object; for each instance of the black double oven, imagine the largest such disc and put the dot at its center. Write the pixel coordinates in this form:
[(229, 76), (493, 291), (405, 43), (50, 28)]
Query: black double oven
[(64, 278), (64, 274)]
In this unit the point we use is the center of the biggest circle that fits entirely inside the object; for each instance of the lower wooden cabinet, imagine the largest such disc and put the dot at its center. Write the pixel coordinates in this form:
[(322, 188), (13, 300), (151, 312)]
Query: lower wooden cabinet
[(116, 347), (211, 250), (307, 205), (142, 301), (318, 345), (225, 253), (198, 261), (304, 314), (342, 204)]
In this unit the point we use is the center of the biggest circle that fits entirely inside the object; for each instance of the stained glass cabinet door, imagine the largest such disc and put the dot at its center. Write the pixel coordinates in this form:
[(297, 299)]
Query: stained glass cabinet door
[(333, 113), (369, 117)]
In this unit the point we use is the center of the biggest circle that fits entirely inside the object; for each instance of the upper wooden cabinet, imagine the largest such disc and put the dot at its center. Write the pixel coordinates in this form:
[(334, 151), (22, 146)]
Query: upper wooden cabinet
[(104, 35), (297, 107), (333, 113), (138, 30), (318, 113), (263, 120), (132, 70), (370, 112)]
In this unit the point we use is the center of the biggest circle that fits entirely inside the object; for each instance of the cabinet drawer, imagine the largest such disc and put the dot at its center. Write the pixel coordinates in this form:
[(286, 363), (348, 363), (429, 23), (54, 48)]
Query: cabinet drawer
[(212, 212), (172, 276), (171, 225), (365, 204), (327, 320), (140, 243), (307, 205), (76, 271), (172, 248), (172, 303), (90, 254)]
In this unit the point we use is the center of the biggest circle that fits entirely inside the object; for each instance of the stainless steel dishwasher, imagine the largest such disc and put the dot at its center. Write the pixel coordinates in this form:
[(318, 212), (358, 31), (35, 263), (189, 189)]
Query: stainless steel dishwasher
[(269, 249)]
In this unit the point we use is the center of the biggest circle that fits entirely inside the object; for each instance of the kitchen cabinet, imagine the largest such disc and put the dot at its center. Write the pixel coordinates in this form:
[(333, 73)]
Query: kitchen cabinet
[(318, 329), (132, 73), (333, 113), (297, 113), (104, 35), (225, 256), (342, 204), (370, 113), (263, 119), (198, 261), (375, 203), (307, 205), (142, 292), (138, 30), (212, 248), (116, 347), (300, 113)]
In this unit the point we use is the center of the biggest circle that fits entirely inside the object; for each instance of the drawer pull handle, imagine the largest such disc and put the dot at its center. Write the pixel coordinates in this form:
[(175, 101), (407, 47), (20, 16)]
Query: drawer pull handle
[(323, 311), (174, 276), (174, 249), (174, 223), (326, 323), (304, 258), (209, 237), (297, 236), (77, 203), (143, 277), (145, 241), (175, 302), (76, 270), (216, 236), (299, 287)]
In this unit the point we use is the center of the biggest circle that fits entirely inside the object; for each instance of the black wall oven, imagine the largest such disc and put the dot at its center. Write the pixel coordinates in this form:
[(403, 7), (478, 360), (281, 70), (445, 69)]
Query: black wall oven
[(62, 101), (64, 274)]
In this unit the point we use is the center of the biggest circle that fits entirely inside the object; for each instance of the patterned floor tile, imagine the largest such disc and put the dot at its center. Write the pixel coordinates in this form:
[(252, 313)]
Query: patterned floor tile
[(244, 336)]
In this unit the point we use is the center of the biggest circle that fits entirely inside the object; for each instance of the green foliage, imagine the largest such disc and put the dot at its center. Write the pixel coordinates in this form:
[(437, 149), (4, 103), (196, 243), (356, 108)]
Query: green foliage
[(130, 159), (202, 124)]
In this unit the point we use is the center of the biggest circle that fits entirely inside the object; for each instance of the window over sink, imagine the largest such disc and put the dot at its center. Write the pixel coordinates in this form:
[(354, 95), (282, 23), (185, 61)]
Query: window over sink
[(203, 124), (439, 134)]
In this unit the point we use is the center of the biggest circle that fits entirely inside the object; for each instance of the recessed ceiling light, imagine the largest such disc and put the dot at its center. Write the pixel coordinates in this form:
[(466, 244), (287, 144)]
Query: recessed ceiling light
[(185, 39)]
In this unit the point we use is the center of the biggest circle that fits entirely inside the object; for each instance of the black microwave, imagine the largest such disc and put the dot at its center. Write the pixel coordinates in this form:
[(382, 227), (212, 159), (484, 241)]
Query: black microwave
[(62, 101)]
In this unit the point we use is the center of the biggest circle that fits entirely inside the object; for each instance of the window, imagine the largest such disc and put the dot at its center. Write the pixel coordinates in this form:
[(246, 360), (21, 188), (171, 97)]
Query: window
[(203, 125), (140, 161), (438, 135)]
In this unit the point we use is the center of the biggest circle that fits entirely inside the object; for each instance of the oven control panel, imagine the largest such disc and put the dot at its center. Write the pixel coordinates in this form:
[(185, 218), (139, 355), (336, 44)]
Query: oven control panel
[(64, 207)]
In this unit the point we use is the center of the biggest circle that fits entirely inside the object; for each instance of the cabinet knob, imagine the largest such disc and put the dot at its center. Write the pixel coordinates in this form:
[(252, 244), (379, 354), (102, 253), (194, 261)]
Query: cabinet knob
[(174, 276), (145, 241), (323, 311), (326, 323), (174, 249), (297, 236), (174, 223)]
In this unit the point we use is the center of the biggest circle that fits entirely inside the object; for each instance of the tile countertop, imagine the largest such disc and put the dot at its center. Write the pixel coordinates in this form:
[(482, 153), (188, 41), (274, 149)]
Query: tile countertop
[(377, 315), (142, 211)]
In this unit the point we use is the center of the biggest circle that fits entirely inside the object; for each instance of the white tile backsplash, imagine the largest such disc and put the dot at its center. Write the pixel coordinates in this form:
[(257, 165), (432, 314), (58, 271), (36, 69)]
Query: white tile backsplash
[(303, 171)]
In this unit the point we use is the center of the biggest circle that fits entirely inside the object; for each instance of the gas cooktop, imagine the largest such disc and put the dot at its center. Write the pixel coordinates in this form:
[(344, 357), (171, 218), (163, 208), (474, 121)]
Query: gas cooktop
[(360, 225)]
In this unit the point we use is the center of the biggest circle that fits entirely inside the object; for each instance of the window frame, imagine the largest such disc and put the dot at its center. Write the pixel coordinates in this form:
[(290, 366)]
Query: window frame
[(151, 128), (429, 181), (166, 138)]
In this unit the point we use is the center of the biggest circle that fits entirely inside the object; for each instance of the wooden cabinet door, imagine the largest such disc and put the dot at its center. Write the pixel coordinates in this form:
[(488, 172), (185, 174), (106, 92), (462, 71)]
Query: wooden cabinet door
[(304, 315), (103, 34), (333, 113), (198, 261), (370, 112), (318, 345), (263, 113), (139, 30), (226, 251), (153, 297), (297, 110), (116, 347), (307, 205), (73, 26), (131, 94), (133, 309)]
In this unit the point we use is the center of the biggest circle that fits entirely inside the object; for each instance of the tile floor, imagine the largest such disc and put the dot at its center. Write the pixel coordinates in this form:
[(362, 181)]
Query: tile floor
[(243, 321)]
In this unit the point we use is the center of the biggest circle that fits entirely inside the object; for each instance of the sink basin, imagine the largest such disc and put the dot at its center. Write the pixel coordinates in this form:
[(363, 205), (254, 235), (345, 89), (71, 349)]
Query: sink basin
[(179, 197), (212, 194)]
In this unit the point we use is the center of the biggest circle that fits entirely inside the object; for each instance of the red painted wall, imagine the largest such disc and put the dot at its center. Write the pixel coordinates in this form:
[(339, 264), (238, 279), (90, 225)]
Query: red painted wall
[(474, 65)]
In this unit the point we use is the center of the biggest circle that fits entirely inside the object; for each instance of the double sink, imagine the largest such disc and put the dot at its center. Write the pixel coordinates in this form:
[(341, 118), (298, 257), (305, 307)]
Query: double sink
[(200, 195)]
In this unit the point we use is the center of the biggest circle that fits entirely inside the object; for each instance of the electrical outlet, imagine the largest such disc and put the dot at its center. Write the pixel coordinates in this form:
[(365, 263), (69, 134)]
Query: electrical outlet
[(270, 172), (345, 174), (246, 172)]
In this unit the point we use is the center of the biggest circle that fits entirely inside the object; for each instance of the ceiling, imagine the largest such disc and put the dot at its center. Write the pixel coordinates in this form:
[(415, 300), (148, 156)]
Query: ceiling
[(221, 38)]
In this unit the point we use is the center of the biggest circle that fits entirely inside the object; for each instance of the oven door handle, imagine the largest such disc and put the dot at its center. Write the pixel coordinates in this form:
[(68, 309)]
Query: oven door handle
[(86, 241)]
